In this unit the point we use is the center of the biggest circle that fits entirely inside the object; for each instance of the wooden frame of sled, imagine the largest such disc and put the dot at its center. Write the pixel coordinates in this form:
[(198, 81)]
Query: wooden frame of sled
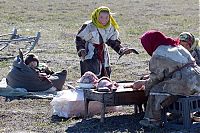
[(13, 38)]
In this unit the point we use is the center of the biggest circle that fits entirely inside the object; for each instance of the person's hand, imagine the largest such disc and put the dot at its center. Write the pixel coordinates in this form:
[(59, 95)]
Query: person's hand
[(139, 85), (21, 54), (145, 77), (42, 76), (48, 71), (83, 54)]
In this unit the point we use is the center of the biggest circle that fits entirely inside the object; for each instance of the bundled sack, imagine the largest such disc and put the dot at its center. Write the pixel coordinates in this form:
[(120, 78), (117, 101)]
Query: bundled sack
[(23, 76), (69, 103)]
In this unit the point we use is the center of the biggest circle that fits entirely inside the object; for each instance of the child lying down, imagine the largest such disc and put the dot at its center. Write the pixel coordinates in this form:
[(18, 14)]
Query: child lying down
[(26, 74)]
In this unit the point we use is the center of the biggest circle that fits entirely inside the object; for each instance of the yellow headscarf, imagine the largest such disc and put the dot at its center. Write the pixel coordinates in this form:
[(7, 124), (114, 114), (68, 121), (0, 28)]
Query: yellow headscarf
[(95, 16)]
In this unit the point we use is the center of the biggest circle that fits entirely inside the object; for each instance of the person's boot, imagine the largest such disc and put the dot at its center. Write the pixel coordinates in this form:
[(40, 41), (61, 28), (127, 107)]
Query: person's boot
[(173, 116), (196, 117), (151, 124)]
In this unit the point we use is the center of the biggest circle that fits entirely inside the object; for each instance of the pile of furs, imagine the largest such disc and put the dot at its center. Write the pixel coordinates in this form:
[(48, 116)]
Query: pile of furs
[(102, 84)]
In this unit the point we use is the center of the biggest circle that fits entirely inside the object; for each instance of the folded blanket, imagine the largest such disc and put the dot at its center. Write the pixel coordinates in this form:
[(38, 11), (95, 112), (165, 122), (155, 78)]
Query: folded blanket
[(7, 91)]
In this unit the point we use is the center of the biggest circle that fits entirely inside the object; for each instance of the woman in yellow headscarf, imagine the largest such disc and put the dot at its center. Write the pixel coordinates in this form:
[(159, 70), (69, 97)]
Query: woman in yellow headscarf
[(92, 41), (97, 18)]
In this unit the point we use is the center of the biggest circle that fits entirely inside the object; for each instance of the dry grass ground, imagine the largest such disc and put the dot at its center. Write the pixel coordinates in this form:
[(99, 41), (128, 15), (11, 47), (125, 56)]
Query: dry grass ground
[(58, 21)]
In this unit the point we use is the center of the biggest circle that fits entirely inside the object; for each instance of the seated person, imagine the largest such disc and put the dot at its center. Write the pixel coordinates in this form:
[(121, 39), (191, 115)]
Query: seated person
[(26, 74), (192, 44), (173, 71)]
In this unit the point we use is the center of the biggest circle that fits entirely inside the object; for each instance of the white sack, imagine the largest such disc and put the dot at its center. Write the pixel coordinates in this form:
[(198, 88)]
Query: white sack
[(70, 103)]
